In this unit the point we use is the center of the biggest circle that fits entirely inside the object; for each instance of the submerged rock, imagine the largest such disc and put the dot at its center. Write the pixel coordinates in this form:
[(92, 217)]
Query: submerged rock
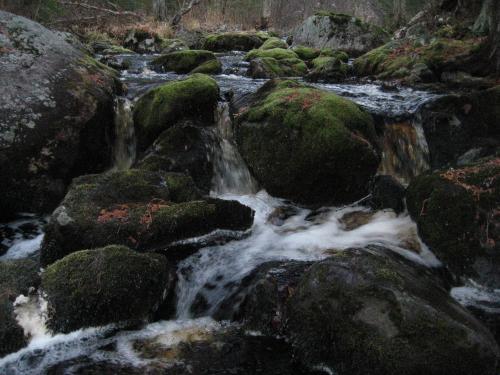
[(188, 61), (307, 145), (92, 288), (226, 42), (387, 192), (192, 98), (457, 215), (56, 116), (137, 208), (340, 32), (365, 311)]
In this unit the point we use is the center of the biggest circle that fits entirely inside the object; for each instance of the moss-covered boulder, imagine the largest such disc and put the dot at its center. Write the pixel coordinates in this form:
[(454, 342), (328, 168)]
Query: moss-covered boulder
[(274, 42), (137, 208), (328, 69), (186, 61), (16, 277), (308, 145), (456, 212), (102, 286), (366, 311), (232, 42), (275, 53), (268, 67), (162, 107), (56, 120), (306, 53), (339, 32), (184, 148), (172, 45), (415, 62)]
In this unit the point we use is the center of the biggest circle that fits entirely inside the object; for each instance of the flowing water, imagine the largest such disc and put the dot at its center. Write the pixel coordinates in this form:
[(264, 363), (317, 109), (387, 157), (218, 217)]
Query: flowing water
[(281, 230)]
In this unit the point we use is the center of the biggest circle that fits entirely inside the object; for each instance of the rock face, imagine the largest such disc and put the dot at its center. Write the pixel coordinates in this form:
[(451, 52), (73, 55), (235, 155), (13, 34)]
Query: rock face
[(137, 208), (97, 287), (367, 311), (457, 216), (16, 277), (462, 128), (188, 61), (307, 145), (56, 116), (339, 32), (193, 98)]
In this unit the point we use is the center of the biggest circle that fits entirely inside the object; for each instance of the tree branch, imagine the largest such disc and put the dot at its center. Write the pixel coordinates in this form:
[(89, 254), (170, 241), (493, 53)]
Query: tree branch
[(100, 9)]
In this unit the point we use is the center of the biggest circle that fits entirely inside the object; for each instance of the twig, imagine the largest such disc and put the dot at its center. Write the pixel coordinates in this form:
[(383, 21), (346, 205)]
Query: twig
[(100, 9)]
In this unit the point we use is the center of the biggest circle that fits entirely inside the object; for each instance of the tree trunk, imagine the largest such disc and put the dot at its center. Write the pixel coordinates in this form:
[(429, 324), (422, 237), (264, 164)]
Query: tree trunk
[(494, 40), (160, 10), (185, 8)]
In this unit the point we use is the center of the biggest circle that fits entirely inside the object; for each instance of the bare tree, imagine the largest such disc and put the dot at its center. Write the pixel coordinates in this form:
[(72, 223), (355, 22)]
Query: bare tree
[(160, 10), (185, 7)]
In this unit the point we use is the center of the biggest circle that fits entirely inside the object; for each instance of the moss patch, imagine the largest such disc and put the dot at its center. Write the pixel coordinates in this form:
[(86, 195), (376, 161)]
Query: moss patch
[(275, 53), (274, 42), (209, 67), (183, 61), (306, 53), (233, 41)]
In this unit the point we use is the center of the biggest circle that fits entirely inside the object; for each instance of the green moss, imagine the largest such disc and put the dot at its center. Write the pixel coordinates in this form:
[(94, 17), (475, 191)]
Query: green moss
[(209, 67), (300, 129), (275, 53), (183, 61), (17, 276), (272, 43), (272, 68), (232, 42), (328, 69), (169, 45), (306, 53), (102, 286), (195, 97), (181, 187)]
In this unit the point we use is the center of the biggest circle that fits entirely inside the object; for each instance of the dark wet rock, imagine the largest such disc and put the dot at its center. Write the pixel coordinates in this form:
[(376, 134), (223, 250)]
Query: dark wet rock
[(188, 61), (16, 277), (281, 214), (300, 150), (232, 42), (115, 62), (141, 41), (339, 32), (192, 98), (457, 215), (92, 288), (387, 192), (56, 116), (184, 148), (141, 209), (366, 311), (356, 219), (456, 124)]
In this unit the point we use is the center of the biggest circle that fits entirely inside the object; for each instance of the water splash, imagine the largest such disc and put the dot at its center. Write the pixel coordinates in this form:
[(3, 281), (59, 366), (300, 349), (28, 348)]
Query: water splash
[(124, 150), (405, 151), (231, 175)]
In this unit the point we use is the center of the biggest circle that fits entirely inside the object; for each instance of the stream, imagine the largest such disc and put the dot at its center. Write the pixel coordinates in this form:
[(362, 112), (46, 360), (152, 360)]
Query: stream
[(214, 272)]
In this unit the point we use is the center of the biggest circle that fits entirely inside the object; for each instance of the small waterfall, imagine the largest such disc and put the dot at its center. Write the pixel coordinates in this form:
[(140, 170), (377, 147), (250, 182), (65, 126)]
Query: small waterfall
[(405, 150), (124, 150), (231, 175)]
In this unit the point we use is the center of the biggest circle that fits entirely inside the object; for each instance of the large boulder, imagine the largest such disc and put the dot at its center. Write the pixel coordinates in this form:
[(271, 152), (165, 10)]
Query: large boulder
[(102, 286), (307, 145), (192, 98), (188, 61), (339, 32), (367, 311), (329, 69), (184, 148), (16, 277), (137, 208), (56, 115), (232, 42), (275, 63), (456, 211), (462, 128)]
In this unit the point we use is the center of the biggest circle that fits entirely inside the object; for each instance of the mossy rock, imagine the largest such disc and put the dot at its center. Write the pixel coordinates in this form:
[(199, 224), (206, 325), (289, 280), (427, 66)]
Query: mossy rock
[(182, 62), (192, 98), (340, 55), (172, 45), (268, 67), (232, 42), (275, 53), (117, 50), (306, 53), (372, 311), (92, 288), (137, 208), (328, 69), (455, 213), (184, 148), (404, 59), (274, 42), (308, 145), (209, 67)]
